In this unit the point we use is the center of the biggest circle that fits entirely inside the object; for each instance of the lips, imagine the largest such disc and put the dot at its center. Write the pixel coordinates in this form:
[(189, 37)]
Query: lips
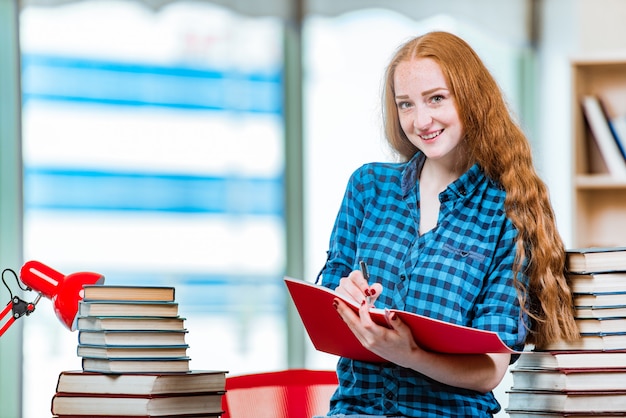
[(431, 135)]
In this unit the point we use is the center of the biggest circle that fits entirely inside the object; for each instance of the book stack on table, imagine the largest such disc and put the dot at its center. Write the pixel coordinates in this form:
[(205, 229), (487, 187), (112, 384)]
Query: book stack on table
[(132, 344), (83, 394), (584, 378)]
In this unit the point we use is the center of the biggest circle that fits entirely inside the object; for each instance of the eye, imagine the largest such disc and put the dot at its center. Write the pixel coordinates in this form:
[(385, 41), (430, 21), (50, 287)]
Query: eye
[(436, 99), (403, 105)]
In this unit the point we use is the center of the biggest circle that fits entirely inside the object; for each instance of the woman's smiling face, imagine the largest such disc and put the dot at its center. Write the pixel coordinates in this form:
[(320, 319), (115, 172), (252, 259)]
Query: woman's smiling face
[(427, 109)]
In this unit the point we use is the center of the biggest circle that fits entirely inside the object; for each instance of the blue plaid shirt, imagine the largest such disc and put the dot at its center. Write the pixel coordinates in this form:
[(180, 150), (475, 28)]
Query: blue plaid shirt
[(461, 272)]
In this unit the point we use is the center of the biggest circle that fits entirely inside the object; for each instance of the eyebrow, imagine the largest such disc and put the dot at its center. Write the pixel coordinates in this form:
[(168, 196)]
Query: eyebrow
[(425, 93)]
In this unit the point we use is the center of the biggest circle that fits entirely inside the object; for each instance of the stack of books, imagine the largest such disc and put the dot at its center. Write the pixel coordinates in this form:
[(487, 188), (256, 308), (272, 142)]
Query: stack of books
[(584, 378), (132, 344), (125, 329)]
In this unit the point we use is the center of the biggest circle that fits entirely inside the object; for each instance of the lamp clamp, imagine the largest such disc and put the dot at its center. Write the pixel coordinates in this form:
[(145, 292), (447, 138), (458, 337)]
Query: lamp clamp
[(21, 307)]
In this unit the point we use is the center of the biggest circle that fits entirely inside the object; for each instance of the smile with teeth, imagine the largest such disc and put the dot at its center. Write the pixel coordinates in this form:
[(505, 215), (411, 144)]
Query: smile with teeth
[(431, 135)]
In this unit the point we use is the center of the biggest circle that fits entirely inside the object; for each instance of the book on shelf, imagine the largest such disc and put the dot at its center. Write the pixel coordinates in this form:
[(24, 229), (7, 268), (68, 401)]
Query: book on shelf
[(596, 260), (136, 365), (330, 334), (601, 325), (613, 102), (555, 360), (130, 293), (599, 300), (117, 352), (597, 282), (118, 323), (129, 337), (582, 379), (567, 401), (601, 132), (78, 381), (127, 308), (136, 405)]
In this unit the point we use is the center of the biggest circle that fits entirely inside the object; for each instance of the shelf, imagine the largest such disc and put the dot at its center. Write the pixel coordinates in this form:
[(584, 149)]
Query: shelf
[(599, 182), (599, 199)]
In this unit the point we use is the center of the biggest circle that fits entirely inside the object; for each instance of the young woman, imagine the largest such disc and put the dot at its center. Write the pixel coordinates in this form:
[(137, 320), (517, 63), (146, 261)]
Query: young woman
[(461, 230)]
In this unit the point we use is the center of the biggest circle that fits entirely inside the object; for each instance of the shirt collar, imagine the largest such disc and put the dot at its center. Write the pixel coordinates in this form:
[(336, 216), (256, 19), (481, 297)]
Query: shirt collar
[(460, 187)]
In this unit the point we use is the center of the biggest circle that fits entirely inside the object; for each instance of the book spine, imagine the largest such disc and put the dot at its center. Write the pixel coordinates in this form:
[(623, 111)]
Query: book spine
[(605, 140)]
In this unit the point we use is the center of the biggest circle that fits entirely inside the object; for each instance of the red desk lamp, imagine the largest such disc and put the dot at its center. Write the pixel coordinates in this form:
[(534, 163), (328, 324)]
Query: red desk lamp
[(64, 291)]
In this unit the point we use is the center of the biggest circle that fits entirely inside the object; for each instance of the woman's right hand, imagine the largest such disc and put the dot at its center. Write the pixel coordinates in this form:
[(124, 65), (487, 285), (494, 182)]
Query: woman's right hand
[(358, 289)]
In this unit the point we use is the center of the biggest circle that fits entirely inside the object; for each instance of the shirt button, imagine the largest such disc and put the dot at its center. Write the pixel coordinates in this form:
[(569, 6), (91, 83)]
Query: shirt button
[(389, 395)]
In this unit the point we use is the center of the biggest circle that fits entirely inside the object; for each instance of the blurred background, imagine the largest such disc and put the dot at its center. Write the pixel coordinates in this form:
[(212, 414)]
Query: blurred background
[(206, 145)]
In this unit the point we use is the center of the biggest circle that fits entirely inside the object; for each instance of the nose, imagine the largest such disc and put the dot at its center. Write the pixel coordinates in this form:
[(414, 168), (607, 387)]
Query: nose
[(422, 118)]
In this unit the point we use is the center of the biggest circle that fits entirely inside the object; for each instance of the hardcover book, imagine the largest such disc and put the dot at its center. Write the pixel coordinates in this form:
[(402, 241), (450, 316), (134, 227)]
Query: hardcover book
[(581, 379), (600, 313), (77, 381), (144, 338), (118, 323), (330, 334), (556, 360), (127, 308), (547, 414), (136, 405), (130, 293), (613, 101), (596, 260), (590, 342), (137, 352), (601, 130), (599, 300), (567, 401), (207, 415), (136, 365), (597, 282), (601, 325)]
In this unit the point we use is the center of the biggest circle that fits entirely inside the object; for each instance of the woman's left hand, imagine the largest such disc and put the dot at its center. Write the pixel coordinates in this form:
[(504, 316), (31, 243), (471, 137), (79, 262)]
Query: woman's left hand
[(479, 372), (393, 344)]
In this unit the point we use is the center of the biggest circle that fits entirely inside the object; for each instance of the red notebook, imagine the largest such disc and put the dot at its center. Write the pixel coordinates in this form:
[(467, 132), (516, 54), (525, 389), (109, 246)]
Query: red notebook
[(330, 334)]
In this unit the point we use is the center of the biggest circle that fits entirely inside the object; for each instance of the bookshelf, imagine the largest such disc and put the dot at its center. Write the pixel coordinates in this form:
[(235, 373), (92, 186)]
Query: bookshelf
[(599, 198)]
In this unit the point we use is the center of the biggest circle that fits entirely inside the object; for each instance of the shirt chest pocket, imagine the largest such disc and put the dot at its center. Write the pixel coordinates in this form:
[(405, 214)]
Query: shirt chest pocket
[(448, 282), (465, 270)]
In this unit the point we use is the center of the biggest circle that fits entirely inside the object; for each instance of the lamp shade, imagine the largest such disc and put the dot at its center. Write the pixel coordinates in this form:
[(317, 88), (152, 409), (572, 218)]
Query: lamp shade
[(65, 292)]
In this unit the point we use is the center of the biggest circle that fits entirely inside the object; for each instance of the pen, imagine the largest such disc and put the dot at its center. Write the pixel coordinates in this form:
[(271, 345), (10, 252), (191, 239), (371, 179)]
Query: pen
[(366, 275)]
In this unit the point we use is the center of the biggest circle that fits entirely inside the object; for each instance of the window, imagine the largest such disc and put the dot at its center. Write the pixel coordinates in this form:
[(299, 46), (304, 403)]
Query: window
[(153, 155)]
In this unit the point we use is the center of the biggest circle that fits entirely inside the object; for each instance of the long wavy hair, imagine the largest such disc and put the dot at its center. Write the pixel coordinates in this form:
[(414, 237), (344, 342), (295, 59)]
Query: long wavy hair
[(495, 141)]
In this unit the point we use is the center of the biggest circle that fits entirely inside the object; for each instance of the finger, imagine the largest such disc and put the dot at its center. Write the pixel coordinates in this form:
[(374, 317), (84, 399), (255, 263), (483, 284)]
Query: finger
[(345, 312), (356, 276), (354, 285), (374, 292), (396, 323), (358, 321), (364, 314), (352, 320)]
